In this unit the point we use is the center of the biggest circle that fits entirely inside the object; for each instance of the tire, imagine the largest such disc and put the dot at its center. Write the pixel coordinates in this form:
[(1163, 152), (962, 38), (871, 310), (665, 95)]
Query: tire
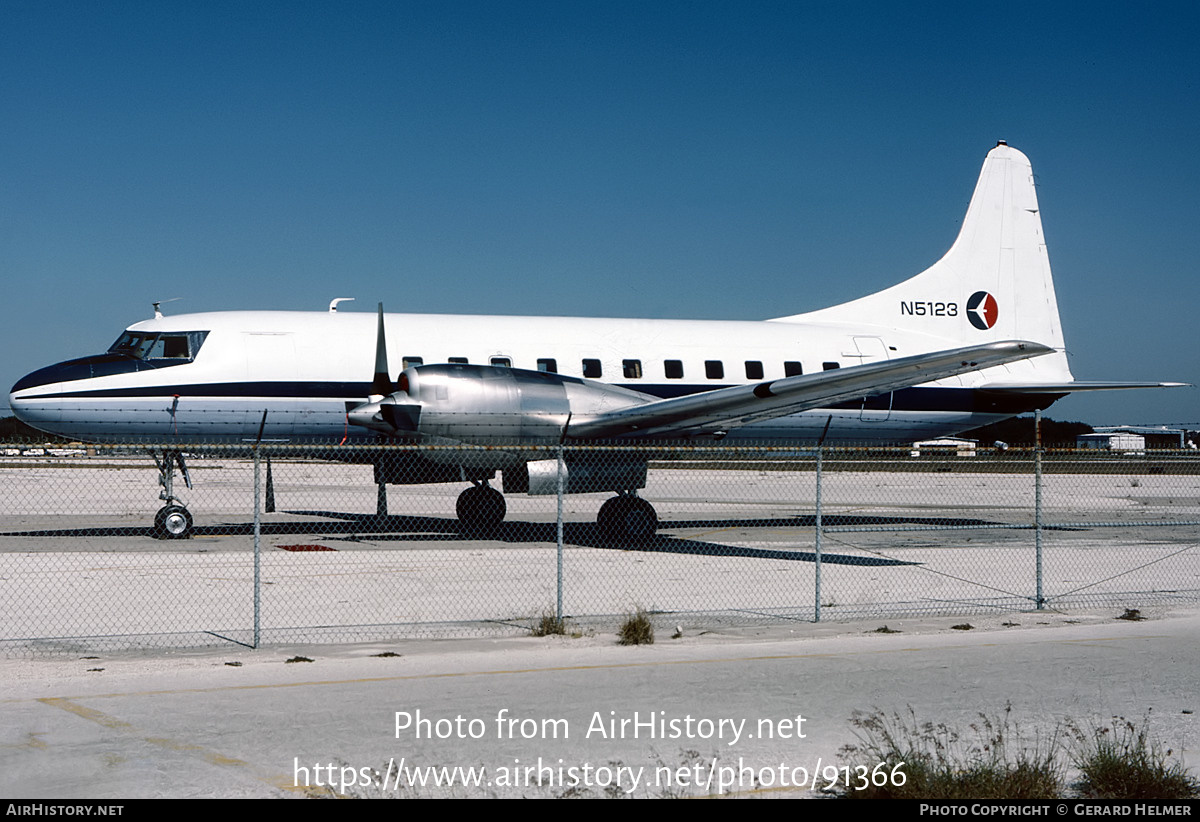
[(628, 519), (480, 509), (173, 522)]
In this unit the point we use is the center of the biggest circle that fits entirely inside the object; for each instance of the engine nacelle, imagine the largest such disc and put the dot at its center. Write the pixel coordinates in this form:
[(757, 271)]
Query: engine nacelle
[(540, 477), (482, 404)]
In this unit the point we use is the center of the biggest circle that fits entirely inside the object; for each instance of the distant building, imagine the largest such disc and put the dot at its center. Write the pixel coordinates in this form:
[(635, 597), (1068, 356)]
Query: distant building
[(945, 447), (1111, 441), (1155, 436)]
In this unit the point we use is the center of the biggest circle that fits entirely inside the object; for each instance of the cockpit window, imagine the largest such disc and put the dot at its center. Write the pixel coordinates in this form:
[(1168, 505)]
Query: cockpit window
[(178, 346)]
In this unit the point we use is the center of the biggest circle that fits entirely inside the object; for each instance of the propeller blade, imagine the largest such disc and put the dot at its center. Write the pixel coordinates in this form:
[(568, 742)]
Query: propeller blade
[(381, 383)]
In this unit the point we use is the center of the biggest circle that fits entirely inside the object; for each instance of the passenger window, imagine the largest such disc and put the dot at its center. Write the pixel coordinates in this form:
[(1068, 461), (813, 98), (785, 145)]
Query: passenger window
[(791, 368), (458, 360), (408, 362), (632, 369), (674, 369), (502, 362), (714, 369), (754, 370), (829, 366), (548, 364), (591, 369)]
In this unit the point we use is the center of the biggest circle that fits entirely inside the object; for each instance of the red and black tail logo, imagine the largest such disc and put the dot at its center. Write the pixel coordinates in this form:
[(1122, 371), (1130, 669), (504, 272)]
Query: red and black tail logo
[(982, 310)]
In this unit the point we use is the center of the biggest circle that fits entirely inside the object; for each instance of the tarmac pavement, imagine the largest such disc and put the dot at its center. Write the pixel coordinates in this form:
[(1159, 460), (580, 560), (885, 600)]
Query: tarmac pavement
[(749, 712)]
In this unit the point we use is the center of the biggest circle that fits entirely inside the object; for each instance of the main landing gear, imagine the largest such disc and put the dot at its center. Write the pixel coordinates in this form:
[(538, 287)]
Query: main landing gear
[(626, 518), (481, 508), (173, 520)]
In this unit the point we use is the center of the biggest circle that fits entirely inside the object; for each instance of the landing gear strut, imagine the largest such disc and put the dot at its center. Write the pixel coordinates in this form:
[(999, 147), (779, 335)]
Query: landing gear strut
[(480, 508), (173, 520), (627, 518)]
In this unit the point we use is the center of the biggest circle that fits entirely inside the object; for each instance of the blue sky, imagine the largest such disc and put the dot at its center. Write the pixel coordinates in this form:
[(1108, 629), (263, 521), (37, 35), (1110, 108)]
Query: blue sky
[(691, 160)]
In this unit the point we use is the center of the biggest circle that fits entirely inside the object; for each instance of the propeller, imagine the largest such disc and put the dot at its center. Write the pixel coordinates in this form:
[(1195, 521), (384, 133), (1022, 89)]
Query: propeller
[(387, 410), (381, 384)]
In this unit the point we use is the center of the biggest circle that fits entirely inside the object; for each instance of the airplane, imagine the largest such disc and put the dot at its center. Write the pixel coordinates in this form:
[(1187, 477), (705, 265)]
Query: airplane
[(972, 340)]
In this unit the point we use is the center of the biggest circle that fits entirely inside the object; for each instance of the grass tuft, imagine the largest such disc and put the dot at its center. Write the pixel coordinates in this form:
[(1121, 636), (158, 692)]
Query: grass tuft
[(923, 760), (549, 625), (1119, 761), (935, 761), (637, 629)]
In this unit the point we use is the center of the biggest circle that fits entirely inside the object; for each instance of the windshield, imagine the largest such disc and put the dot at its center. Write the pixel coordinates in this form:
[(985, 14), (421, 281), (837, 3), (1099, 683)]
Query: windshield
[(167, 345)]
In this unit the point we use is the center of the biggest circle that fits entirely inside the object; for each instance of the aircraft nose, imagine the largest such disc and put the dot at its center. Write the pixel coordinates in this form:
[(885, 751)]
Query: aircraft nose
[(34, 379), (22, 388), (23, 405)]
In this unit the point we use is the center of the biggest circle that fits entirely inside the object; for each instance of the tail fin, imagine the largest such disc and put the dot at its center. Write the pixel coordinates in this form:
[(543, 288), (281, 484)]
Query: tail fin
[(993, 284)]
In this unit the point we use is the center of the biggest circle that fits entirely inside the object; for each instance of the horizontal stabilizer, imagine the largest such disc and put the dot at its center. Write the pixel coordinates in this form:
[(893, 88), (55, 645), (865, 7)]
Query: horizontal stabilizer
[(744, 404)]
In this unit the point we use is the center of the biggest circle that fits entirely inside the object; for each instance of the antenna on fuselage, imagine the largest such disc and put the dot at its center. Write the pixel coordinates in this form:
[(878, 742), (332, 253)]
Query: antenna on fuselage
[(158, 311), (334, 303)]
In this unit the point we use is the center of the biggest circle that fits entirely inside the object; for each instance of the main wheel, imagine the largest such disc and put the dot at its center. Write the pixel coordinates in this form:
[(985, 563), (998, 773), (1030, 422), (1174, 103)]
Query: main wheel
[(480, 509), (628, 519), (173, 522)]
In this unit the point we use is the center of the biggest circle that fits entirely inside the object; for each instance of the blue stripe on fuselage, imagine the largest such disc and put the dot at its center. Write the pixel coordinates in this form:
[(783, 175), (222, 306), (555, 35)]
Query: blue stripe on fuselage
[(909, 399)]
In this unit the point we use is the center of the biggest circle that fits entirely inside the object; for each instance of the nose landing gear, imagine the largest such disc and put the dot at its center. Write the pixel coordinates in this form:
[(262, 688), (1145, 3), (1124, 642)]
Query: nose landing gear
[(173, 520)]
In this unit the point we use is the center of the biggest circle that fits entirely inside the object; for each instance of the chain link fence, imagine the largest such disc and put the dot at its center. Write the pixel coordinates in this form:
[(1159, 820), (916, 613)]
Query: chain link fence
[(282, 543)]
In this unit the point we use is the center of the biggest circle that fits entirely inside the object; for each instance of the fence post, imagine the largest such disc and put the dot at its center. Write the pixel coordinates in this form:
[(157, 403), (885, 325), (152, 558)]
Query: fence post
[(817, 558), (257, 536), (559, 538), (1037, 503)]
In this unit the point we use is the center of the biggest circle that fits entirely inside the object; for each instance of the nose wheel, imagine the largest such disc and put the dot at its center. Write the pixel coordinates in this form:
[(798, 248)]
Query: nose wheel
[(481, 509), (173, 522)]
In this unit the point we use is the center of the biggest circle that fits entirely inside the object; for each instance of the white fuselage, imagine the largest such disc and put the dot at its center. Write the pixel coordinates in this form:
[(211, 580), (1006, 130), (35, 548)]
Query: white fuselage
[(305, 369)]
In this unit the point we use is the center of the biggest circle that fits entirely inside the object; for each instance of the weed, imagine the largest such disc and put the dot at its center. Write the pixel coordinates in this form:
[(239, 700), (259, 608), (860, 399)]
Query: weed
[(1120, 762), (924, 760), (1133, 615), (885, 630), (637, 629), (549, 625), (297, 659)]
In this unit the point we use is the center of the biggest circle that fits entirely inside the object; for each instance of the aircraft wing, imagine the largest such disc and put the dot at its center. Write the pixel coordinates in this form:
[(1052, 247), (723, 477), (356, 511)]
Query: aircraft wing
[(1072, 387), (744, 404)]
